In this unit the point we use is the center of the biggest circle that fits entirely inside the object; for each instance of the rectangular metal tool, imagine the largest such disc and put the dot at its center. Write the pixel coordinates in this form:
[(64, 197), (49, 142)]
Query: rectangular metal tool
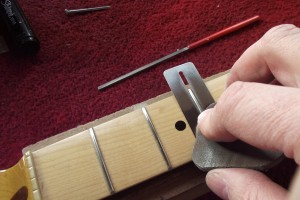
[(209, 154), (194, 100)]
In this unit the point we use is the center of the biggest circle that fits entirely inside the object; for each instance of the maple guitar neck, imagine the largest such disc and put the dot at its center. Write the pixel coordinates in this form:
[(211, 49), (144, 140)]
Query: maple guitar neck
[(109, 155)]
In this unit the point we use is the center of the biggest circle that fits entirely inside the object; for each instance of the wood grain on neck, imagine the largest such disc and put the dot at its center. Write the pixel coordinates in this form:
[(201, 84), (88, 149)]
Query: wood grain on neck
[(67, 166)]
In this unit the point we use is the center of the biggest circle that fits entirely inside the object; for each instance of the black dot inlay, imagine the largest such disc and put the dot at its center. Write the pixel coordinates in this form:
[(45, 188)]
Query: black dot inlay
[(180, 125)]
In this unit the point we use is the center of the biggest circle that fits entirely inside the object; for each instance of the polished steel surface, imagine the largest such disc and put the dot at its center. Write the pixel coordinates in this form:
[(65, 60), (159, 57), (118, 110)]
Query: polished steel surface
[(101, 160), (155, 134), (191, 100)]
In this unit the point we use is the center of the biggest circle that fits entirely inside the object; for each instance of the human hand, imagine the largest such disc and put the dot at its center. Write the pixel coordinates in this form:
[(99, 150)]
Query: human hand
[(263, 115)]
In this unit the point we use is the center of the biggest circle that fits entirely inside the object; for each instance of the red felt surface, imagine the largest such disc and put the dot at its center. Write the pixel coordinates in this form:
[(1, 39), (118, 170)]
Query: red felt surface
[(56, 89)]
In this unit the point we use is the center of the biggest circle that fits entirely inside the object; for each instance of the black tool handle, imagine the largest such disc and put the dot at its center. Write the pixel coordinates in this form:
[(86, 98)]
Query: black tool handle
[(17, 27)]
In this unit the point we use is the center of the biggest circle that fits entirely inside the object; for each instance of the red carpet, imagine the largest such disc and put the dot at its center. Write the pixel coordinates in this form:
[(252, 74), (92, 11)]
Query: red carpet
[(56, 89)]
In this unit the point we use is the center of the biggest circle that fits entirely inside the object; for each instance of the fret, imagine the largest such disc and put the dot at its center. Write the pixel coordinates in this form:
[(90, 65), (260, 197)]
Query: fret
[(178, 144), (101, 160), (160, 145), (129, 149), (69, 169)]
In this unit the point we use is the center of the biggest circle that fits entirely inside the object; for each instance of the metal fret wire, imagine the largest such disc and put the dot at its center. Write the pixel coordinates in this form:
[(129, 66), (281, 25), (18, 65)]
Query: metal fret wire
[(101, 161), (161, 148)]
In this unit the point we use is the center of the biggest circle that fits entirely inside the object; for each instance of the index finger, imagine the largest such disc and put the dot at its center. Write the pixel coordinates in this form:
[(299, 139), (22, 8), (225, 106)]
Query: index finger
[(275, 55), (265, 116)]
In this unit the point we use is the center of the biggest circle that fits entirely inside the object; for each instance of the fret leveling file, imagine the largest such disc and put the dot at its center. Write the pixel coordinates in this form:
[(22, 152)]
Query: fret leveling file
[(111, 154)]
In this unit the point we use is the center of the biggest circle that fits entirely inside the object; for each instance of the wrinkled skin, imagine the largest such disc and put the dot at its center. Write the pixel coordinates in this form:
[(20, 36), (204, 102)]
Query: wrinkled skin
[(259, 112)]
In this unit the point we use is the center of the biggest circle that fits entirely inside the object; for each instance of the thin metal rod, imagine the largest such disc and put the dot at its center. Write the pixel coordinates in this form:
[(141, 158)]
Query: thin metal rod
[(84, 10), (101, 161), (155, 134), (147, 66), (190, 46), (195, 100)]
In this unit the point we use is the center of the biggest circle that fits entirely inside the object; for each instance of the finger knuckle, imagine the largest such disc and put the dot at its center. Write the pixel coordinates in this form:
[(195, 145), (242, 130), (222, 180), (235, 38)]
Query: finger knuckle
[(232, 94), (230, 99), (277, 33)]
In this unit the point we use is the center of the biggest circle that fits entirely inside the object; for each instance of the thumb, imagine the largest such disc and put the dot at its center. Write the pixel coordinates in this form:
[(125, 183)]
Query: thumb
[(243, 184), (208, 127)]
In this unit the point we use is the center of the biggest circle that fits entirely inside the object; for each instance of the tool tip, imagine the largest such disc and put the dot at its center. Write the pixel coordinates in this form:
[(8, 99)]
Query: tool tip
[(67, 12), (102, 87)]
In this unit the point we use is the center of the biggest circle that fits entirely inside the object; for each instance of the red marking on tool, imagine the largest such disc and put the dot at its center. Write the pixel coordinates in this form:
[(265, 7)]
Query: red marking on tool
[(224, 32), (180, 51)]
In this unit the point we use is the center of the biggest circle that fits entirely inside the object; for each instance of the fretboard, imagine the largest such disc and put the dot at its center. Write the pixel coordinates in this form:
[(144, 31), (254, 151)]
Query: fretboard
[(117, 153)]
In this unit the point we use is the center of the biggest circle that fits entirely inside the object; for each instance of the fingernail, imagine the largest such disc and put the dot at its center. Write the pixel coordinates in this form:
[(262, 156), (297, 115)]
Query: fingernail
[(217, 184), (202, 115)]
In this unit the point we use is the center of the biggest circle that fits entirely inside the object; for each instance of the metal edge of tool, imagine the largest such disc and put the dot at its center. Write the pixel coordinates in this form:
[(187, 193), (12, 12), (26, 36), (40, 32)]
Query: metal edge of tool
[(208, 154)]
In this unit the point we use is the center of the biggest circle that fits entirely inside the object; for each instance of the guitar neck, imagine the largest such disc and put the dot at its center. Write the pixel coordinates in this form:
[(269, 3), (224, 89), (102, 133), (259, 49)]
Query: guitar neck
[(114, 153)]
